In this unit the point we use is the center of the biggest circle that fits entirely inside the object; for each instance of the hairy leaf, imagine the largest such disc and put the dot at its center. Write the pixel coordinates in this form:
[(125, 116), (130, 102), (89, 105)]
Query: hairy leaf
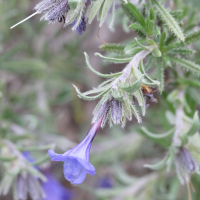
[(116, 48), (114, 60), (169, 20), (187, 64), (97, 73)]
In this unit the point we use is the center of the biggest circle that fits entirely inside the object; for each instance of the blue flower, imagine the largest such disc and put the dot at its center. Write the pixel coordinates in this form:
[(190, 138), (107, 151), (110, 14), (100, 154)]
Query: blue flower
[(54, 190), (82, 25), (76, 160)]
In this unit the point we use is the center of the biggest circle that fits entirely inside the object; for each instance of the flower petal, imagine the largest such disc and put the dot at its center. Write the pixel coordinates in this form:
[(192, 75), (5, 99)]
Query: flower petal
[(88, 167), (56, 157), (72, 169), (81, 178)]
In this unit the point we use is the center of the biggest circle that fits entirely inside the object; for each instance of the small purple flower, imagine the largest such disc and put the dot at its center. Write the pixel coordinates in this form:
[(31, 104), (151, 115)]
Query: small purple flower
[(54, 190), (105, 182), (82, 25), (76, 160)]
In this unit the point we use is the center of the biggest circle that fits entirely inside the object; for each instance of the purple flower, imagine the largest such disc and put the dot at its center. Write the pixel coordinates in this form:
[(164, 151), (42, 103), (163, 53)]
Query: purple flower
[(82, 25), (185, 165), (53, 9), (76, 160), (105, 182), (54, 190)]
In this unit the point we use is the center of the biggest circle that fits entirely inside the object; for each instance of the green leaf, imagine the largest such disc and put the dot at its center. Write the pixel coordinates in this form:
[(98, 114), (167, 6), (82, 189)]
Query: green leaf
[(136, 113), (132, 51), (106, 7), (190, 82), (134, 87), (187, 64), (148, 9), (152, 15), (167, 61), (140, 98), (149, 82), (160, 75), (116, 48), (193, 37), (195, 125), (159, 165), (169, 20), (114, 60), (127, 107), (181, 51), (162, 41), (100, 11), (136, 26), (149, 63), (7, 159), (134, 12), (157, 136), (132, 48), (97, 90), (95, 8), (97, 73), (149, 27), (194, 94), (85, 97)]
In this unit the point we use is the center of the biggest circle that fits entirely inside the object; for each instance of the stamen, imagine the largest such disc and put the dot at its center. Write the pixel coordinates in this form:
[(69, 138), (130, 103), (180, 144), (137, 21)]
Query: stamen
[(100, 37), (24, 20)]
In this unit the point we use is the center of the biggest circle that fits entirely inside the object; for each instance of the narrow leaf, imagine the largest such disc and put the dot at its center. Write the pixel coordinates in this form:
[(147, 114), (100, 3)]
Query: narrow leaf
[(106, 7), (114, 60), (193, 37), (187, 64), (160, 75), (116, 48), (136, 26), (194, 94), (195, 125), (181, 51), (85, 97), (96, 72), (158, 136), (169, 20), (135, 12), (95, 8), (159, 165), (140, 98), (136, 113), (162, 40)]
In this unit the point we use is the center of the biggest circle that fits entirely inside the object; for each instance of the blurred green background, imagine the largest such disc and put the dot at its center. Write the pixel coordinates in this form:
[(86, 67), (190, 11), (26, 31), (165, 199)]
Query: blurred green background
[(38, 65)]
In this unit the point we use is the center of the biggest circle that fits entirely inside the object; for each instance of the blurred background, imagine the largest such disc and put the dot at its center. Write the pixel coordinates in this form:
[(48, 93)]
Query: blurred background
[(39, 62)]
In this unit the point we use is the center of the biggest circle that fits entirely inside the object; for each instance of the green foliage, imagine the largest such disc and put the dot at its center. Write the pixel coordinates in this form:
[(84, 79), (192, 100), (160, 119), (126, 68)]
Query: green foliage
[(169, 20), (187, 64), (38, 65), (116, 48)]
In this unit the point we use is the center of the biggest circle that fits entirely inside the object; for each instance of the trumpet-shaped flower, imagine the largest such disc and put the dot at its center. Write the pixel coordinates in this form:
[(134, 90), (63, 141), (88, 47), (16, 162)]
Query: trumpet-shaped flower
[(76, 160)]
